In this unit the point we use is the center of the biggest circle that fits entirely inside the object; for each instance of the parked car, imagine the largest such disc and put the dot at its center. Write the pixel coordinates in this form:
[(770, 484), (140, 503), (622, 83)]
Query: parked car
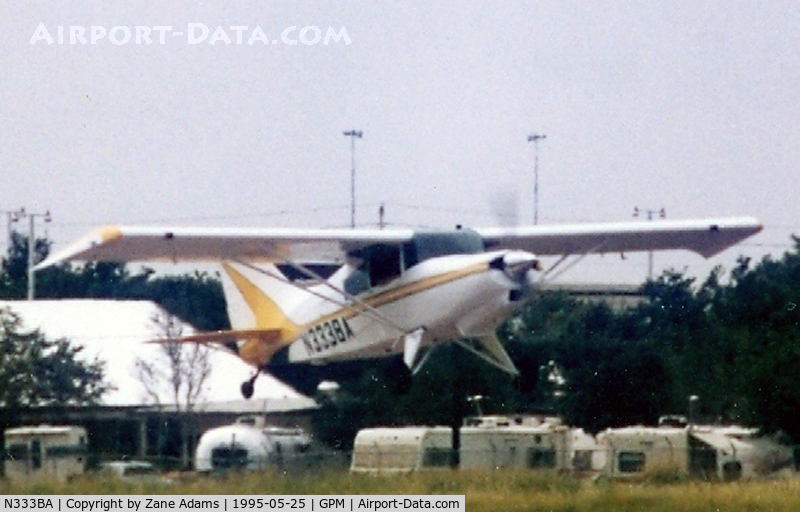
[(133, 469)]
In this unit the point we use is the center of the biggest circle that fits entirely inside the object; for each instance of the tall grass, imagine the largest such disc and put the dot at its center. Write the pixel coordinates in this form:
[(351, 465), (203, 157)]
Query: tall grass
[(485, 491)]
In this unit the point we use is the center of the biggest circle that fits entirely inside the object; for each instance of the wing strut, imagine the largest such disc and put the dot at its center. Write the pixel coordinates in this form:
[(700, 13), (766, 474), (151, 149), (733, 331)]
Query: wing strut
[(415, 370), (366, 308), (571, 264), (490, 350)]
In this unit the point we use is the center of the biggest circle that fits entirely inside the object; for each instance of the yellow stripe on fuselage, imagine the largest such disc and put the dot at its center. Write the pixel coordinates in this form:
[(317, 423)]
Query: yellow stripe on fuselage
[(396, 294), (401, 292)]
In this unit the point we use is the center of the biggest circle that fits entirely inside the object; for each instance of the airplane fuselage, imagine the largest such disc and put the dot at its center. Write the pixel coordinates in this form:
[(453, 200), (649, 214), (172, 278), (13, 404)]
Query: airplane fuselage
[(449, 297)]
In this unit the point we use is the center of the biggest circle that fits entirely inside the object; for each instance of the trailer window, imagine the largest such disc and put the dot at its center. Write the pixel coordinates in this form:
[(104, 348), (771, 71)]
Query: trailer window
[(65, 451), (36, 454), (631, 462), (541, 458), (229, 457), (17, 452), (435, 457), (732, 470)]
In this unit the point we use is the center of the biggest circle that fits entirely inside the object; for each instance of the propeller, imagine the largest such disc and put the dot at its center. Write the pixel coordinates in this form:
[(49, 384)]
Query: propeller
[(505, 207), (515, 265)]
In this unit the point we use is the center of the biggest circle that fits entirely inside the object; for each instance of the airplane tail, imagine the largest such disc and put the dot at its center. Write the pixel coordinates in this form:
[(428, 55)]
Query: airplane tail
[(258, 301), (259, 297)]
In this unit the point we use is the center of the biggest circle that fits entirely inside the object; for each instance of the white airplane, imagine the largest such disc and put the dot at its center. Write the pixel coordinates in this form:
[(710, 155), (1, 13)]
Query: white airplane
[(396, 292)]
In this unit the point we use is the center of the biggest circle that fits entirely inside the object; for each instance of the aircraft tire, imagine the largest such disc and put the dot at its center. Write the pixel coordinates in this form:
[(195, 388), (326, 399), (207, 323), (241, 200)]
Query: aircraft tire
[(248, 387)]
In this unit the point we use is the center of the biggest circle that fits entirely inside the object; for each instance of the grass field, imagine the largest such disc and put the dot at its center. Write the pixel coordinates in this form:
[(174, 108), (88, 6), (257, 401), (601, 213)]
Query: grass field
[(485, 491)]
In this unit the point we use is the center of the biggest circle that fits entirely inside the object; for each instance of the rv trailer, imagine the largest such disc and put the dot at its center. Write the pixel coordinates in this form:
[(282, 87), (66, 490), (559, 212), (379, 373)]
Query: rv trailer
[(44, 452), (487, 443)]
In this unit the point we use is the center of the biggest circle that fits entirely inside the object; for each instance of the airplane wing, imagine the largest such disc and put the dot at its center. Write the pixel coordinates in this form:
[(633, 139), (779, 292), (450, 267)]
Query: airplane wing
[(120, 243), (124, 243), (706, 237)]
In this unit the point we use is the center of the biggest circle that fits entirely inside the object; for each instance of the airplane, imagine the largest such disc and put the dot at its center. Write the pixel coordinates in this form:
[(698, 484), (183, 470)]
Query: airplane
[(394, 293)]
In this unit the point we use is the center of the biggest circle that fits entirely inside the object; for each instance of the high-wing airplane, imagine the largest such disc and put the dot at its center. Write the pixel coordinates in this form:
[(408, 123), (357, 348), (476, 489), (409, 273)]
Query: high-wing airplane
[(395, 292)]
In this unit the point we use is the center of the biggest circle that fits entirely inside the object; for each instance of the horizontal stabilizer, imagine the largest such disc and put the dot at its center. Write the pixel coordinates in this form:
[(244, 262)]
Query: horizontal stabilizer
[(224, 337)]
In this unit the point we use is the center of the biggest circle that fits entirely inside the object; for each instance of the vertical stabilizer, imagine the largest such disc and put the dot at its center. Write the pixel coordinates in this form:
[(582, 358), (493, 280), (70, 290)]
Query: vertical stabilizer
[(260, 298)]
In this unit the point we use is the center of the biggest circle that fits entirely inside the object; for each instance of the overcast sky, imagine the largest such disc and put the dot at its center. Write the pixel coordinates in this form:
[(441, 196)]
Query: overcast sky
[(690, 106)]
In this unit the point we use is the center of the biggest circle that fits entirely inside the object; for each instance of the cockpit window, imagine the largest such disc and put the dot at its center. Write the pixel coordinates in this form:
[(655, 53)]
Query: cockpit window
[(384, 264), (426, 245), (380, 264)]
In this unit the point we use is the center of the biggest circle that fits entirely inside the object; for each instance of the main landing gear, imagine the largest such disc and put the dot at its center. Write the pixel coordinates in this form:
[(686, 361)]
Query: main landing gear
[(249, 386)]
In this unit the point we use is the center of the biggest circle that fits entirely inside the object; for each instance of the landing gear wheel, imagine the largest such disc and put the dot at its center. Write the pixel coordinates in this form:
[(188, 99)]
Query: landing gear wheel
[(248, 387)]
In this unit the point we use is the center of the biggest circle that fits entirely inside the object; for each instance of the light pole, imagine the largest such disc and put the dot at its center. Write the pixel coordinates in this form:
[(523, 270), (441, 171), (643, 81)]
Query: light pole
[(693, 399), (353, 134), (32, 246), (662, 214), (535, 138), (476, 399)]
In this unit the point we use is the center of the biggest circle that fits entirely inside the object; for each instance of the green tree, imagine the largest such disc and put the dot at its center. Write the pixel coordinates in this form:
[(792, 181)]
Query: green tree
[(35, 371), (761, 315), (14, 278)]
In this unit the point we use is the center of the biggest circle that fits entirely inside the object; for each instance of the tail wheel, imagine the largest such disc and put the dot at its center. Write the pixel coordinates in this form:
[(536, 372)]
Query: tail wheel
[(248, 387)]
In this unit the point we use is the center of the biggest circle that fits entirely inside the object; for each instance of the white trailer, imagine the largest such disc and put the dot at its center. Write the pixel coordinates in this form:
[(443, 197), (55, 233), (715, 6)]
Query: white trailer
[(401, 449), (731, 453), (490, 445), (250, 444), (723, 453), (44, 452), (633, 451)]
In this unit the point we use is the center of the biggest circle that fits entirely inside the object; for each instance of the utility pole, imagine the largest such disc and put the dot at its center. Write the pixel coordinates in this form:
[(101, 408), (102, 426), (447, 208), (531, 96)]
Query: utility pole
[(535, 138), (662, 214), (693, 399), (32, 246), (353, 134)]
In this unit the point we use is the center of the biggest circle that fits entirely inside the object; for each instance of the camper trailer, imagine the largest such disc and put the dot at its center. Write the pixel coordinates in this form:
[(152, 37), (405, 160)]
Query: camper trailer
[(735, 452), (251, 444), (401, 449), (633, 451), (492, 443), (44, 452), (712, 452)]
